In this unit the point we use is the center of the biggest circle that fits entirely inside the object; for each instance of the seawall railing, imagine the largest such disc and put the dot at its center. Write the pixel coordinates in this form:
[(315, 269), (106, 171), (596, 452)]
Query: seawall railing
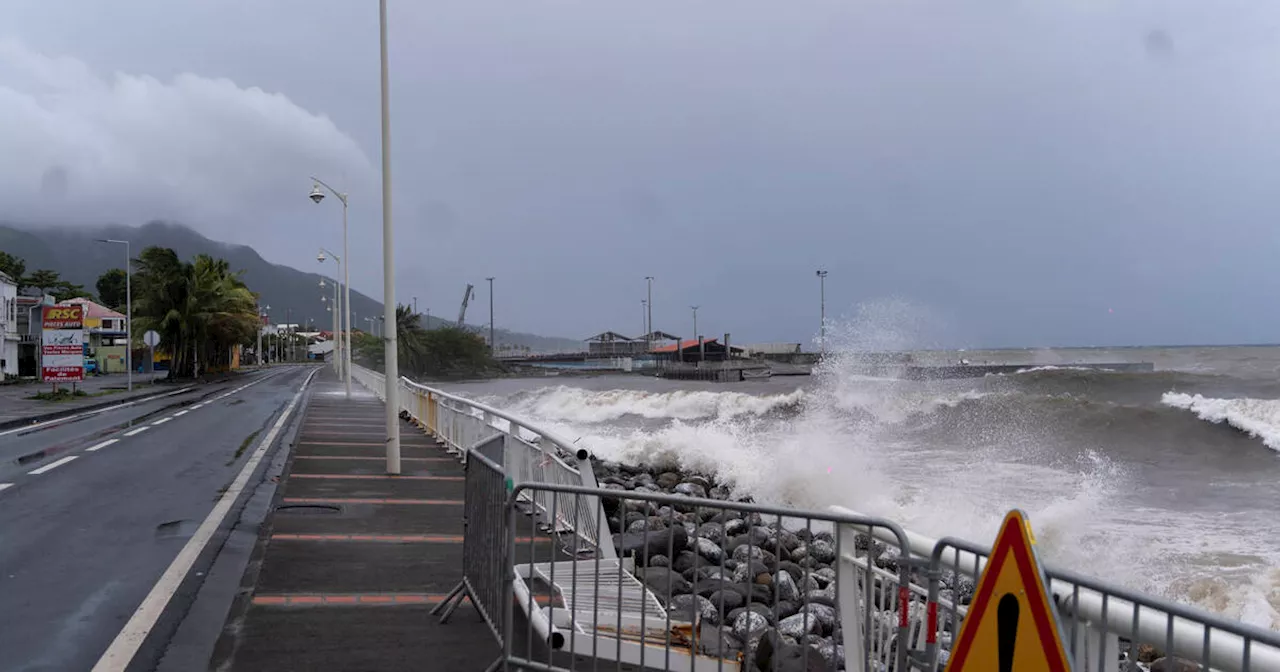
[(529, 453), (918, 596)]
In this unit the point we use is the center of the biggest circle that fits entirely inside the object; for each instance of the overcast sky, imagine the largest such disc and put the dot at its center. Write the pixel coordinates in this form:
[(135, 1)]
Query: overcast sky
[(1018, 172)]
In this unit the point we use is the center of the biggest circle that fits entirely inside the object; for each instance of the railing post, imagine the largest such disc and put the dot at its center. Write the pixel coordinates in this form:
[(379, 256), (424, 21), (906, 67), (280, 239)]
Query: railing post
[(852, 597)]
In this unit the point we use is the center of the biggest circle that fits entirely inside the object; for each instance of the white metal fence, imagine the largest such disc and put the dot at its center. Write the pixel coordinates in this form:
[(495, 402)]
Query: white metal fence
[(529, 454), (1102, 624)]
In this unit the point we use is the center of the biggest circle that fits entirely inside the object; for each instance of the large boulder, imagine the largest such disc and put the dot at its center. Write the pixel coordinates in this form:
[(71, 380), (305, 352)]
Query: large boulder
[(686, 561), (775, 653), (686, 607), (762, 609), (668, 479), (785, 587), (651, 542), (709, 550), (1167, 664), (712, 531), (749, 624), (799, 625), (726, 600), (663, 582), (691, 490)]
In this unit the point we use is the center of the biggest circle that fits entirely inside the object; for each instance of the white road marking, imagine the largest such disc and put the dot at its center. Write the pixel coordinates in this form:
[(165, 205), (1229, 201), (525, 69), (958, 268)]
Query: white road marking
[(161, 421), (126, 643), (100, 446), (52, 465), (137, 431), (197, 406), (38, 425), (179, 414), (5, 486)]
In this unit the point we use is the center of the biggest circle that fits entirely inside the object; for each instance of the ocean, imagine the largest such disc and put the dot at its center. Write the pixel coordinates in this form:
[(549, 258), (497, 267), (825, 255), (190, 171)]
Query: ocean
[(1167, 481)]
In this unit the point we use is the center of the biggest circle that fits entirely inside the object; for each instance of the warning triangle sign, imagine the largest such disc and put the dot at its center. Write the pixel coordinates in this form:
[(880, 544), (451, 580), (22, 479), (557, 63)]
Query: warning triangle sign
[(1011, 625)]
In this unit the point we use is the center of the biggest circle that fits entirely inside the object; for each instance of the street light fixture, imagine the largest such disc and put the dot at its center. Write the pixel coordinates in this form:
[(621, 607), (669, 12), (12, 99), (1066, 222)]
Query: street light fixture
[(339, 357), (822, 284), (128, 310), (316, 196)]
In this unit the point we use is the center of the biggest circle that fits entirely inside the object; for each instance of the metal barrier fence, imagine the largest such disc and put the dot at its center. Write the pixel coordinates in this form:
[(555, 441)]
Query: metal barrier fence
[(484, 544), (529, 453), (705, 584), (1103, 625)]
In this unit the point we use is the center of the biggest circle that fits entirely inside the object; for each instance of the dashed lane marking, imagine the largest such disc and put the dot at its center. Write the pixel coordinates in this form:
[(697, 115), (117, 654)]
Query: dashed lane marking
[(138, 430), (181, 413), (100, 446), (52, 465), (161, 421), (5, 486)]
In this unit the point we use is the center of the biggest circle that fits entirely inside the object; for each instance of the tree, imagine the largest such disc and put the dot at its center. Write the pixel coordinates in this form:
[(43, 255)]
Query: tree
[(446, 351), (13, 267), (200, 309), (50, 282), (111, 288)]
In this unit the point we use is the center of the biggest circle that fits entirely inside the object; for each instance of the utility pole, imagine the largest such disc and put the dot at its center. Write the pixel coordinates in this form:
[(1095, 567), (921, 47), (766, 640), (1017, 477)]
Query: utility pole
[(649, 333), (822, 290), (493, 345), (258, 351), (415, 305), (392, 361), (695, 320), (644, 320)]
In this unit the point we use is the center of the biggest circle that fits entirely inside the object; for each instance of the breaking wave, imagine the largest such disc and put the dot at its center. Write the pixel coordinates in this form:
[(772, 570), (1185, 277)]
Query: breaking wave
[(572, 404), (1259, 418)]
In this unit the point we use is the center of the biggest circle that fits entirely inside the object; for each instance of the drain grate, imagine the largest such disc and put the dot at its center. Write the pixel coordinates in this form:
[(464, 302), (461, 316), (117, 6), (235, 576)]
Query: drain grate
[(308, 509)]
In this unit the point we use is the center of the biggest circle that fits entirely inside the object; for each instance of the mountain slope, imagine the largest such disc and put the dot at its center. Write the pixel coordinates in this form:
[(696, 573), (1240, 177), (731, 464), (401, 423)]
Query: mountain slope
[(75, 253)]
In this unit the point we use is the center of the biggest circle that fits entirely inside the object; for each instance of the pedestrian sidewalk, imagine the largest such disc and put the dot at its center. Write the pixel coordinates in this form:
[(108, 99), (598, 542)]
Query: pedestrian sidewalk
[(352, 560), (16, 406)]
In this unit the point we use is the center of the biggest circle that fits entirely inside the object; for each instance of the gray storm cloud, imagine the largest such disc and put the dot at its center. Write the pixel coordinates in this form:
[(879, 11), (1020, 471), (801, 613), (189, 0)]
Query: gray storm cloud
[(98, 147)]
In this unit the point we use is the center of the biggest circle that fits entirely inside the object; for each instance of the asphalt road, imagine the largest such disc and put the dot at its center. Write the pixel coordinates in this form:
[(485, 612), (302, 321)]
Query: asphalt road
[(94, 509)]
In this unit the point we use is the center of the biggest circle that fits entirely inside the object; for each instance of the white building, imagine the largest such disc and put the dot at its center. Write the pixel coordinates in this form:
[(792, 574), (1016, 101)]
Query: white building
[(9, 336)]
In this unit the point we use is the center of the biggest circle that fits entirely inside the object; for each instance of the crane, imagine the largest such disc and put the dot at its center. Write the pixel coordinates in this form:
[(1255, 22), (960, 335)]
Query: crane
[(467, 295)]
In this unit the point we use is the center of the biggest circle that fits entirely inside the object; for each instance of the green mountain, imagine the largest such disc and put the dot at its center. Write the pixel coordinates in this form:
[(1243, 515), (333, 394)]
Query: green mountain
[(75, 254)]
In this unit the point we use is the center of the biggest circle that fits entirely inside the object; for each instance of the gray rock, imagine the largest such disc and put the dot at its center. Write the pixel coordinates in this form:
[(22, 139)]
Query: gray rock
[(719, 492), (785, 587), (753, 552), (736, 526), (698, 480), (712, 531), (663, 582), (685, 607), (728, 599), (651, 543), (824, 615), (824, 576), (668, 480), (719, 642), (748, 571), (825, 596), (749, 624), (659, 561), (686, 561), (798, 625), (690, 490), (643, 478), (822, 550), (832, 653), (709, 550), (763, 610)]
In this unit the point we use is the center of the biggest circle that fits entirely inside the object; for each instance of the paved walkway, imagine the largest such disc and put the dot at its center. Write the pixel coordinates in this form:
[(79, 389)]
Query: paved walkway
[(16, 406), (352, 560)]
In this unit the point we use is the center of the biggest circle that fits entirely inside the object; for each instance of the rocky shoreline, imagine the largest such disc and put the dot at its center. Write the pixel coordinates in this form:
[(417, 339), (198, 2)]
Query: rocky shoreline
[(764, 591), (768, 592)]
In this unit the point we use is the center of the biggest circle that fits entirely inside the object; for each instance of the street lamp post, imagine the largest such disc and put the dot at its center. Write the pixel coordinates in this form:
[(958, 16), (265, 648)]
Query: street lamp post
[(266, 313), (695, 320), (493, 345), (392, 367), (128, 309), (258, 352), (317, 196), (340, 352), (822, 291), (644, 320), (649, 320)]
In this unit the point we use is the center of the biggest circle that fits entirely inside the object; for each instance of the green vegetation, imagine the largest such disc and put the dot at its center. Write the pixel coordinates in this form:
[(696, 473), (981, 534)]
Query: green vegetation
[(444, 352), (50, 282), (60, 394), (112, 287), (201, 309)]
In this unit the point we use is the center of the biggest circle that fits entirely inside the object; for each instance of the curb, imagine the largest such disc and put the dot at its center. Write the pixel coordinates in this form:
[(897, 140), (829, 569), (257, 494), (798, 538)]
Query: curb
[(45, 417)]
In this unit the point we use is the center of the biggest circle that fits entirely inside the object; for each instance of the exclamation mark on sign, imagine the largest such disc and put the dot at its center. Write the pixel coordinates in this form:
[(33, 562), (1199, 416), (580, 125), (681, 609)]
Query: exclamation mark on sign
[(1007, 630)]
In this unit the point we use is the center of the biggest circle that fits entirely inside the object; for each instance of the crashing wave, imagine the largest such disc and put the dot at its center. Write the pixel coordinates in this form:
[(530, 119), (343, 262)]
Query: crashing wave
[(1259, 418), (572, 404)]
